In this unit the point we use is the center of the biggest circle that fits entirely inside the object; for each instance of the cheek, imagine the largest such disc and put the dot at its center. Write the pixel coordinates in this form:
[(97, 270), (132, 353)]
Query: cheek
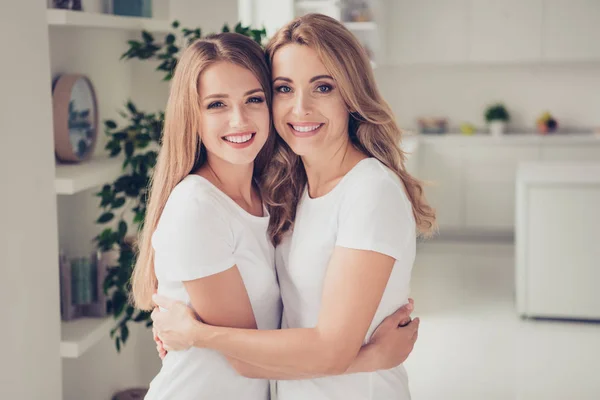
[(211, 127), (279, 112), (262, 120)]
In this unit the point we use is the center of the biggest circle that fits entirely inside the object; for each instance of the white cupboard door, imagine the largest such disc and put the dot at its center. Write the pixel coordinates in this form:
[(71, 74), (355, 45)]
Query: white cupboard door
[(571, 30), (440, 168), (490, 176), (570, 153), (427, 31), (562, 258), (505, 31)]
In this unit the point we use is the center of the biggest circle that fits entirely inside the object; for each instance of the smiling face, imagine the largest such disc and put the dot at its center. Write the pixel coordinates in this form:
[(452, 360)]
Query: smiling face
[(309, 112), (234, 117)]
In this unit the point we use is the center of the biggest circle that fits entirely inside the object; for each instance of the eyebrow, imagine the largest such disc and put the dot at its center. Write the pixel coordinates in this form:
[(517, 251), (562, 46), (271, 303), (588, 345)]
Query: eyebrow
[(221, 95), (314, 78)]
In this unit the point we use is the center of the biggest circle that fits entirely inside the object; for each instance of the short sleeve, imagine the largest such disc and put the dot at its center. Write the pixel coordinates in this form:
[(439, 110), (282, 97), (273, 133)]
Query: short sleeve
[(193, 239), (376, 215)]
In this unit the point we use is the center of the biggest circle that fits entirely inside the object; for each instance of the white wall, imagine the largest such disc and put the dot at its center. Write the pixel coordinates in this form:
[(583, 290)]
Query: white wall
[(209, 15), (461, 92), (29, 294)]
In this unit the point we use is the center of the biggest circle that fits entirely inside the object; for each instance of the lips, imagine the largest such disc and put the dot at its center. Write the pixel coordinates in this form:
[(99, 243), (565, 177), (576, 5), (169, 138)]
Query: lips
[(305, 128), (239, 137)]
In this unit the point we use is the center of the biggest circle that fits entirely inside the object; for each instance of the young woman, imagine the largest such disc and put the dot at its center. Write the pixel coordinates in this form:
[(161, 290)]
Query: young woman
[(205, 238), (344, 214)]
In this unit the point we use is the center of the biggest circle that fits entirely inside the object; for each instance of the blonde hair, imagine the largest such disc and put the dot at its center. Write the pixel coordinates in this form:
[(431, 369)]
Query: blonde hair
[(372, 126), (182, 151)]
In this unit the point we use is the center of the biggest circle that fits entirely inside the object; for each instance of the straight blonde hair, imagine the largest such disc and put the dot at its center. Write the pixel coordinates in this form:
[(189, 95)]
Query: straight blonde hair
[(182, 152), (372, 126)]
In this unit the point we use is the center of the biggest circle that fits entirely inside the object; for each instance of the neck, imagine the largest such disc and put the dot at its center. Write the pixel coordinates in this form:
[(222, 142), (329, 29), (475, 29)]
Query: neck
[(234, 180), (327, 167)]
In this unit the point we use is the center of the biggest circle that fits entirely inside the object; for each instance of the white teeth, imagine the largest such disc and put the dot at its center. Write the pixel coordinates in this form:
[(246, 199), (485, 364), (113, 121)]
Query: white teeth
[(306, 128), (238, 138)]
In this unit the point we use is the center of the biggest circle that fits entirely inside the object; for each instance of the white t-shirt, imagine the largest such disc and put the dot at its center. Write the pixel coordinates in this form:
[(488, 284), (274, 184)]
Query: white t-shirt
[(203, 232), (367, 210)]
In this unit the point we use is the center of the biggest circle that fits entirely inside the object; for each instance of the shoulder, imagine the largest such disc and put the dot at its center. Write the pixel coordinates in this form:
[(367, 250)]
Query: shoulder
[(191, 201), (371, 179), (193, 194)]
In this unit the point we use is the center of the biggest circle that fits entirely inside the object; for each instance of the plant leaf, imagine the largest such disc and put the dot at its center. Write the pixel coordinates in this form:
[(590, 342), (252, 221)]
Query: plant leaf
[(118, 202), (122, 228), (124, 333), (106, 217)]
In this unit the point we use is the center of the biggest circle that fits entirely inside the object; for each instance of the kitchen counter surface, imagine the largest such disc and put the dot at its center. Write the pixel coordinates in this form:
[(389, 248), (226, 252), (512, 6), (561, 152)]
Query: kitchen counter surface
[(558, 172), (507, 139)]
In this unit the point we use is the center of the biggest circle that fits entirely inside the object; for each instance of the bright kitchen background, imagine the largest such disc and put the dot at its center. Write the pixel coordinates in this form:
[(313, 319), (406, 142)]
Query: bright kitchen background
[(517, 213)]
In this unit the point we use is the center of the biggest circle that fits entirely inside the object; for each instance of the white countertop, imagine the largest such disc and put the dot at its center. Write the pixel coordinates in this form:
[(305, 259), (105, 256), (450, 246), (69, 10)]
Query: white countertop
[(558, 172), (508, 139)]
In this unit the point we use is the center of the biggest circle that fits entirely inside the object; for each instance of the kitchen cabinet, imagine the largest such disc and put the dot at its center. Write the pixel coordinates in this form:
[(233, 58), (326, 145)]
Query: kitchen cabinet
[(440, 168), (429, 31), (505, 31), (489, 182), (570, 153), (571, 30), (557, 248), (471, 180)]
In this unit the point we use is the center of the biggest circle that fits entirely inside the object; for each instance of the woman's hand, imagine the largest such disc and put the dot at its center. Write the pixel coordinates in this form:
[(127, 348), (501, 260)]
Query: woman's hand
[(394, 338), (175, 326), (162, 353)]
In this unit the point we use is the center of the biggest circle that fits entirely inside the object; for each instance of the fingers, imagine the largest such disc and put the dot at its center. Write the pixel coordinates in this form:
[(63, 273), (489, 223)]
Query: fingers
[(413, 328), (154, 314), (402, 315)]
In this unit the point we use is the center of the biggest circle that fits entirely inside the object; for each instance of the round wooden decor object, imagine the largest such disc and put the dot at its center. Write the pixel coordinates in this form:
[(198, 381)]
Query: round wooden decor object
[(75, 118)]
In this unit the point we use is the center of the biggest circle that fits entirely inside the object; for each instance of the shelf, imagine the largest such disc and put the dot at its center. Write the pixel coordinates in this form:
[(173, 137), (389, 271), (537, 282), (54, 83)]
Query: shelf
[(79, 335), (107, 21), (74, 178), (361, 26)]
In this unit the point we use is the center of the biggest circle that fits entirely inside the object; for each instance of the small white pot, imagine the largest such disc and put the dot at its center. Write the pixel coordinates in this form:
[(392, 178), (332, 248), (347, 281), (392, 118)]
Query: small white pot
[(497, 128)]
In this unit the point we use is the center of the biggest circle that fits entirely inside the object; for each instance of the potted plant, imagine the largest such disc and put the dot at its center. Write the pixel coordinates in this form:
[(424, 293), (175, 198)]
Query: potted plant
[(123, 202), (497, 117)]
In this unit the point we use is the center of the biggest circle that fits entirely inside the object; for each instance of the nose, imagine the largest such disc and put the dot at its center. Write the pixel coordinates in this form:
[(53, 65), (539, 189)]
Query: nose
[(302, 105), (238, 118)]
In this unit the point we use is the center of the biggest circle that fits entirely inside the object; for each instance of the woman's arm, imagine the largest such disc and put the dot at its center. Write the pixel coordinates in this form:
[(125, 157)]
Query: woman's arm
[(222, 300), (354, 284)]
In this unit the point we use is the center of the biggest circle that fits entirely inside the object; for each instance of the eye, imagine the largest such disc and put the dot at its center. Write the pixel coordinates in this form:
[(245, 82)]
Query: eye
[(215, 104), (324, 88), (256, 100), (283, 89)]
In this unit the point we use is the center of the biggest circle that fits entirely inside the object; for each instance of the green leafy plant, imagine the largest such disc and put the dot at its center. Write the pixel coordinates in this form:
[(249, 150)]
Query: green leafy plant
[(138, 139), (497, 112)]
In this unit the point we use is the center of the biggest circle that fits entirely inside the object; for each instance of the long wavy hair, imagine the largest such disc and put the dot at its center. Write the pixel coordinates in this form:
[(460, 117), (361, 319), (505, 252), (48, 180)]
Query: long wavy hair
[(372, 126), (182, 151)]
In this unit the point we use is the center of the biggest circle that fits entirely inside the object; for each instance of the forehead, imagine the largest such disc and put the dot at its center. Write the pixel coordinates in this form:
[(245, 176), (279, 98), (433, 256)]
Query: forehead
[(226, 78), (297, 62)]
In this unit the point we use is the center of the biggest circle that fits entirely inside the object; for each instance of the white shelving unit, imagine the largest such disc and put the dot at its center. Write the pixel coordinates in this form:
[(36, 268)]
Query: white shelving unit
[(79, 335), (106, 21), (74, 178)]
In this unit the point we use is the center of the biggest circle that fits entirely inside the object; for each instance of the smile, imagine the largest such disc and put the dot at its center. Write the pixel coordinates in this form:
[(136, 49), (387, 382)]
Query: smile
[(239, 138), (305, 129)]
